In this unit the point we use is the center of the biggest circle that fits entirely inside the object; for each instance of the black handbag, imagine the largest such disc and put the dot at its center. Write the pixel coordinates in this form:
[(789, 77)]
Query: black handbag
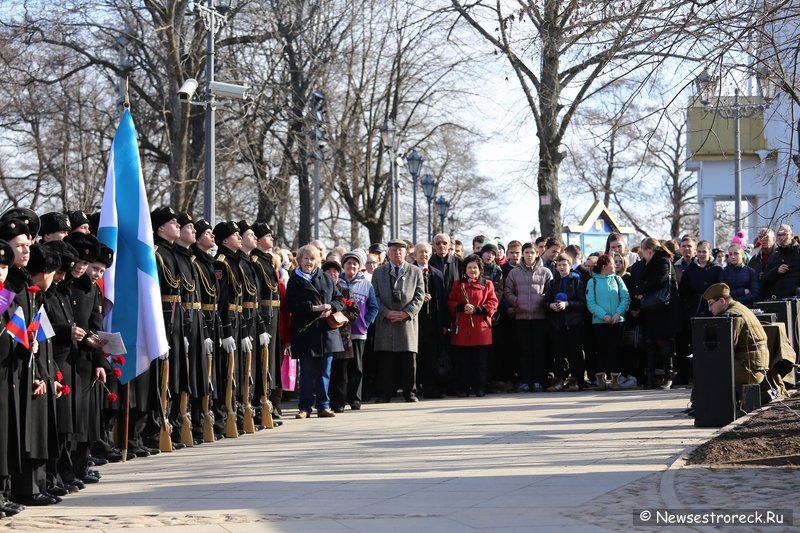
[(659, 299)]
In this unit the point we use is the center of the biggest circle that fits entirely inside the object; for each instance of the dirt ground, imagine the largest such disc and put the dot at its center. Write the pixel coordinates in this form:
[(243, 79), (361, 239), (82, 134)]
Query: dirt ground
[(769, 437)]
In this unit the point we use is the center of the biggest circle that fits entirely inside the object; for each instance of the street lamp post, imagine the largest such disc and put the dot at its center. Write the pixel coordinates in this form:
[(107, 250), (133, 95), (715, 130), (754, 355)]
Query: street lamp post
[(442, 205), (706, 84), (390, 140), (214, 15), (318, 143), (453, 221), (534, 234), (429, 188), (414, 161)]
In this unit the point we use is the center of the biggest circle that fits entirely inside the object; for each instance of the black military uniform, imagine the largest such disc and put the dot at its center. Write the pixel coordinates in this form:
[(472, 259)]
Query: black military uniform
[(208, 289), (193, 326), (252, 325), (169, 278), (86, 303), (268, 305), (229, 277)]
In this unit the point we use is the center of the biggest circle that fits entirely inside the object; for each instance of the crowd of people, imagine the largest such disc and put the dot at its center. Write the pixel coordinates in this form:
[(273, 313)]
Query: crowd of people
[(423, 319)]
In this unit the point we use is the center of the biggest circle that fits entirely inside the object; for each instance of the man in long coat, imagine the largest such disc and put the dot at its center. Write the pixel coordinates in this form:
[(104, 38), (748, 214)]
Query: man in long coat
[(400, 290)]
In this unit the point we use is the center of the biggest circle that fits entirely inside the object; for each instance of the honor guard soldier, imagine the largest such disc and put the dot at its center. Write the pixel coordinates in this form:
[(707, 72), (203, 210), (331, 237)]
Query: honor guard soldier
[(193, 331), (229, 277), (252, 325), (172, 372), (269, 306), (203, 417)]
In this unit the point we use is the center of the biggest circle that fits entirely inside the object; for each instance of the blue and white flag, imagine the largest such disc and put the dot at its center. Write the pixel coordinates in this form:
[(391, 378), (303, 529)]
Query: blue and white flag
[(132, 280)]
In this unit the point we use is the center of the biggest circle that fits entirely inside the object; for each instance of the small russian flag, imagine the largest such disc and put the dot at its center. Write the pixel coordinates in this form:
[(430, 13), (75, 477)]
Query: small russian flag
[(41, 326), (16, 328)]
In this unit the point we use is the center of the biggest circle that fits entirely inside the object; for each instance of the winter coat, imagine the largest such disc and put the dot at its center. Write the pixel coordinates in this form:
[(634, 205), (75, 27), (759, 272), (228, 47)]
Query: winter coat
[(739, 278), (451, 268), (526, 290), (575, 291), (758, 261), (398, 336), (311, 336), (607, 295), (694, 282), (782, 285), (474, 329), (661, 323), (363, 295)]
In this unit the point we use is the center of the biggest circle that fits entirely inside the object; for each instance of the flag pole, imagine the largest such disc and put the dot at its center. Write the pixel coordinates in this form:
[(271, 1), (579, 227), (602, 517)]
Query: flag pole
[(126, 395)]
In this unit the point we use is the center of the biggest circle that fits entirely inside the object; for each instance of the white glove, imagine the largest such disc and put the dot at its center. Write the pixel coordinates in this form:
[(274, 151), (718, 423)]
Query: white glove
[(208, 346), (247, 344), (263, 338), (228, 344), (186, 345)]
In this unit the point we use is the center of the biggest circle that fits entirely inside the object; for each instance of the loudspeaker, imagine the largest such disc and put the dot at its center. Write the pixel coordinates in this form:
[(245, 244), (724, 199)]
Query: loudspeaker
[(787, 312), (714, 394)]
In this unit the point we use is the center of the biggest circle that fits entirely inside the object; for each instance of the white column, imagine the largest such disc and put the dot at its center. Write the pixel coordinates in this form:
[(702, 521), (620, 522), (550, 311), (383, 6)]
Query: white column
[(708, 206)]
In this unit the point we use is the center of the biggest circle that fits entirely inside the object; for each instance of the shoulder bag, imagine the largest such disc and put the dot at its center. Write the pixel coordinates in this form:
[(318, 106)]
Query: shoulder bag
[(659, 299)]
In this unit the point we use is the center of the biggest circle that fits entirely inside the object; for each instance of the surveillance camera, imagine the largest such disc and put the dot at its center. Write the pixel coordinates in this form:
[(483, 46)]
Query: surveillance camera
[(187, 90), (229, 90)]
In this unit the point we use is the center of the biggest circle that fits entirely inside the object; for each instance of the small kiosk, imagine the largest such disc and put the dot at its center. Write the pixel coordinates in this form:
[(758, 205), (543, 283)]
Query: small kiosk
[(594, 229)]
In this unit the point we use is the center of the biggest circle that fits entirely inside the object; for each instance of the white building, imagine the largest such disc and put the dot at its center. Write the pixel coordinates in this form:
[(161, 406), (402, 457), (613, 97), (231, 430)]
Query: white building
[(769, 176)]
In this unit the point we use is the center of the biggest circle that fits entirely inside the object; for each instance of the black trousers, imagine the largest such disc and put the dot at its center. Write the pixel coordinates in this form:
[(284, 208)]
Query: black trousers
[(533, 358), (408, 366), (567, 343), (471, 364), (608, 343), (658, 354)]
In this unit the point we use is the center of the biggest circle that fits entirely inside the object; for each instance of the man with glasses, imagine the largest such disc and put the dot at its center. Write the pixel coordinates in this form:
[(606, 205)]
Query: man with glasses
[(760, 257), (750, 353), (782, 273)]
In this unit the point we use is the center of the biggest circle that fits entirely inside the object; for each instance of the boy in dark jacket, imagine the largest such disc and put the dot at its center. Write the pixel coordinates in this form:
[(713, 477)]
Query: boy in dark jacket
[(567, 306)]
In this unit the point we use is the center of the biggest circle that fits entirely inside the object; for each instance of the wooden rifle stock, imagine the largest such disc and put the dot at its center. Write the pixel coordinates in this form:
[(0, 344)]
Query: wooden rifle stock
[(266, 405), (249, 415), (230, 421), (186, 421), (208, 415), (164, 437)]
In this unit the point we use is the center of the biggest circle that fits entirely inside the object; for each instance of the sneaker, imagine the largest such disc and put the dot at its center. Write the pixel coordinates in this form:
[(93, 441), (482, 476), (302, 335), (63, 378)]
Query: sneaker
[(537, 387), (524, 388), (667, 384)]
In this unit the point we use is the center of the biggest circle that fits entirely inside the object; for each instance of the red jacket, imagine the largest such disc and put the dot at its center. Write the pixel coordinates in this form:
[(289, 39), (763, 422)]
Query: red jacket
[(475, 329)]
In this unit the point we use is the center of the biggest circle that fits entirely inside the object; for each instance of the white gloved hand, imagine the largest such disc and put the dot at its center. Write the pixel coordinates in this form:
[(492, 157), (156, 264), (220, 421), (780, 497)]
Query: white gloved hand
[(228, 344), (263, 338), (186, 345), (208, 347), (247, 344)]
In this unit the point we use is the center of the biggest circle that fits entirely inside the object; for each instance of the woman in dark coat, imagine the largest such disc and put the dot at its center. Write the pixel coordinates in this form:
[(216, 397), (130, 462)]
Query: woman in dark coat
[(658, 323), (701, 273), (311, 296)]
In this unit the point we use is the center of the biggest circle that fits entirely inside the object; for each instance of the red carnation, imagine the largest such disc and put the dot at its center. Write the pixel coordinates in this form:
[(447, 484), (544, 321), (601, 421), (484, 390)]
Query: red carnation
[(59, 376), (347, 302), (65, 390), (117, 372), (111, 396), (33, 289), (118, 359)]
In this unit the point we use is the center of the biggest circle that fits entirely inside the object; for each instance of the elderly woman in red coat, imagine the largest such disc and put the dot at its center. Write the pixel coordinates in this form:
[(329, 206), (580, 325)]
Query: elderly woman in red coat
[(472, 302)]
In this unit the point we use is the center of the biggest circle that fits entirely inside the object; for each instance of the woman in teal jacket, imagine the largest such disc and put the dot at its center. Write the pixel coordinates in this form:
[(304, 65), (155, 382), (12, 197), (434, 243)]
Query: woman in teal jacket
[(607, 299)]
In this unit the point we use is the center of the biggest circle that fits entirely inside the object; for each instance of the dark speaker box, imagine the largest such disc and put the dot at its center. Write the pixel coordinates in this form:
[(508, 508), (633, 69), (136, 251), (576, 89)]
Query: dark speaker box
[(714, 394)]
